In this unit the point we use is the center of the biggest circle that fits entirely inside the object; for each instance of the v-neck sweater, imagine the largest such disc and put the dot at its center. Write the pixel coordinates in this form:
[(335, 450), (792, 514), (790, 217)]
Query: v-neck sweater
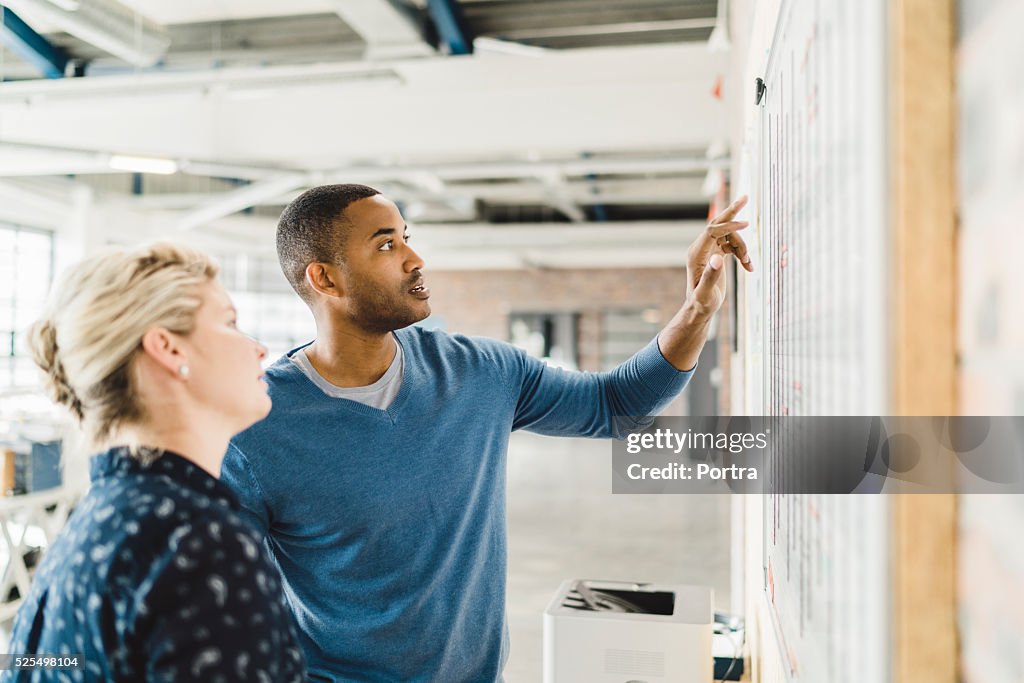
[(388, 526)]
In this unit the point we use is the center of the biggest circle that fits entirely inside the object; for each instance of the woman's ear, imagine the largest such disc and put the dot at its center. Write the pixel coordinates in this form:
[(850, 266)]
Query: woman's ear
[(163, 348), (324, 278)]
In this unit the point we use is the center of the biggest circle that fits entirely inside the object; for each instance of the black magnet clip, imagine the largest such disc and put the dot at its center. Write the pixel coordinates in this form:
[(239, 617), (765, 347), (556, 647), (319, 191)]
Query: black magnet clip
[(761, 89)]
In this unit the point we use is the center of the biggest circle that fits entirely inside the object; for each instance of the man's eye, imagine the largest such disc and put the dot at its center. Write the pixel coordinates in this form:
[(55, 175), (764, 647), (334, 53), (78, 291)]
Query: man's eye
[(387, 246)]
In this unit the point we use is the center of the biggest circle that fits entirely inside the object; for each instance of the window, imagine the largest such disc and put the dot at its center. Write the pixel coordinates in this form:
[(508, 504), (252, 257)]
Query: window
[(26, 270), (268, 308), (548, 336), (626, 331)]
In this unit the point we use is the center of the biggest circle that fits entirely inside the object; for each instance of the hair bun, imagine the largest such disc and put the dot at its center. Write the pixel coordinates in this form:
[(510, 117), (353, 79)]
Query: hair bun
[(42, 342)]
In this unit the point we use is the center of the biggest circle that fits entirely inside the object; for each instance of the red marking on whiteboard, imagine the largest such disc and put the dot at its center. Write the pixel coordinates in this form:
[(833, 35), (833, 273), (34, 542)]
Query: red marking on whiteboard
[(797, 385), (793, 665), (783, 262), (771, 583), (716, 91)]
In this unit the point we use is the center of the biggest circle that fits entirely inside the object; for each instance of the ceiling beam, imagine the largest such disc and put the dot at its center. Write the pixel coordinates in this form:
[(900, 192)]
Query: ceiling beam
[(45, 204), (607, 29), (647, 244), (553, 235), (387, 31), (107, 24), (436, 109), (241, 199), (260, 191), (657, 191), (557, 194)]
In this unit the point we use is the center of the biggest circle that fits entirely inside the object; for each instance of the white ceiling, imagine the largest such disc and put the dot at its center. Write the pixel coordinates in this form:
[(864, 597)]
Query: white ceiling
[(313, 118), (441, 134), (192, 11)]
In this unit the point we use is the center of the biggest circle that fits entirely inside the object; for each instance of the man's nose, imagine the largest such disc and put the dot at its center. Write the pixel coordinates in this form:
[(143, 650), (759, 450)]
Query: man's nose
[(413, 260)]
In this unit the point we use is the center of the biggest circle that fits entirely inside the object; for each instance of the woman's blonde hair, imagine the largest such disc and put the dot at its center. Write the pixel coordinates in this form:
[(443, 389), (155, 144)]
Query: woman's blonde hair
[(94, 321)]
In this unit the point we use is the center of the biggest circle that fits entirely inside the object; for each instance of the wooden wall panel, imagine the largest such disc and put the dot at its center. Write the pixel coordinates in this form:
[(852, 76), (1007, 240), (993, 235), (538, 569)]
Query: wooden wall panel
[(924, 273)]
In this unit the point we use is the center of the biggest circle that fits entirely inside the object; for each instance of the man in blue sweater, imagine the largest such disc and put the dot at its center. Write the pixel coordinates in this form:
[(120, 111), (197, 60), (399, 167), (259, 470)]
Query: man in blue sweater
[(379, 475)]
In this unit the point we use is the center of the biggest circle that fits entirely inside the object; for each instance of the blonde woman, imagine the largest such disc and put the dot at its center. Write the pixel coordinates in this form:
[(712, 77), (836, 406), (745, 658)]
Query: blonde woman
[(155, 576)]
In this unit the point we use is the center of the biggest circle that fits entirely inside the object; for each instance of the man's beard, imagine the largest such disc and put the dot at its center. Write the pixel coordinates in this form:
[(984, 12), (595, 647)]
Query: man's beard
[(378, 313)]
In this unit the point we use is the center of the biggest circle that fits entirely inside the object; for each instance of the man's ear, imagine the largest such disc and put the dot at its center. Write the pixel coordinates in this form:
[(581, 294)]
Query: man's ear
[(324, 278), (164, 349)]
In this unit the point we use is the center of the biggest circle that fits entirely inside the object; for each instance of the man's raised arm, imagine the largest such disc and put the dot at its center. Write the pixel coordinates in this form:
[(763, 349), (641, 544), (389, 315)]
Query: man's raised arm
[(683, 338), (556, 402)]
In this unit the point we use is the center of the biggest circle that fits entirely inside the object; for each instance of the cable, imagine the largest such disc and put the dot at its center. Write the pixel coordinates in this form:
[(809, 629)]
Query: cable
[(727, 625), (736, 651)]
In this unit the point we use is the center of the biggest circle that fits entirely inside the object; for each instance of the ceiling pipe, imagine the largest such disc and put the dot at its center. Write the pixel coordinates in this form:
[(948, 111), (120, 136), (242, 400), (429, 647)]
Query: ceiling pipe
[(235, 80), (251, 195), (437, 173), (719, 41), (467, 171)]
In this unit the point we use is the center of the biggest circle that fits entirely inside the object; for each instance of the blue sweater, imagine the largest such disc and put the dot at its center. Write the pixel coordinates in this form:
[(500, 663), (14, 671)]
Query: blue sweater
[(389, 526)]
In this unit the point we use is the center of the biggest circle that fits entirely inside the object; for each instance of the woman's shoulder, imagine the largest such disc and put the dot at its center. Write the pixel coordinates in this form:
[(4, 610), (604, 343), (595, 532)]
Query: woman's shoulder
[(125, 534), (124, 527), (156, 501)]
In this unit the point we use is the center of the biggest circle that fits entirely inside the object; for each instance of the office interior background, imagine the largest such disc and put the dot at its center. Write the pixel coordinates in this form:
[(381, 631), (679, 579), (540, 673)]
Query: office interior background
[(554, 160)]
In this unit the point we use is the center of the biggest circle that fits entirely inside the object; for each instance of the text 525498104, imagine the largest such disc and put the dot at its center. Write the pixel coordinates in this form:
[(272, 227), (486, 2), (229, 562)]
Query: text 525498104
[(40, 661)]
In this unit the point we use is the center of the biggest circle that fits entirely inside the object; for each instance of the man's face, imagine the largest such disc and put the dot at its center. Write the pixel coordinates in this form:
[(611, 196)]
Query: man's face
[(382, 282)]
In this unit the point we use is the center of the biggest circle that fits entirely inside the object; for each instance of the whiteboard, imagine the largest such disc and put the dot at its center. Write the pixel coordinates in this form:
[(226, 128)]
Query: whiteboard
[(815, 321), (822, 197)]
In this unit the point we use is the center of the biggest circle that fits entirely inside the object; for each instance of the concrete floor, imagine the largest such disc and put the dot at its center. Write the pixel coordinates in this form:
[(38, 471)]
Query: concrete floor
[(564, 523)]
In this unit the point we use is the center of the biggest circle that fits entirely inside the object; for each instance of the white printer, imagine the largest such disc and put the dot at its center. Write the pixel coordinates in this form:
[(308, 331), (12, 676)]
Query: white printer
[(615, 632)]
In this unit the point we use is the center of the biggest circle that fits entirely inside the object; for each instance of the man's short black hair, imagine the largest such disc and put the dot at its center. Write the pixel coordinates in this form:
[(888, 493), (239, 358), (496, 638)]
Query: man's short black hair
[(311, 229)]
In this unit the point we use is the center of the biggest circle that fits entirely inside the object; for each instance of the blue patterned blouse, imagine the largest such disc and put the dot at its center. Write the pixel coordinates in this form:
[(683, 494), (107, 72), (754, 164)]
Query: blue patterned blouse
[(155, 577)]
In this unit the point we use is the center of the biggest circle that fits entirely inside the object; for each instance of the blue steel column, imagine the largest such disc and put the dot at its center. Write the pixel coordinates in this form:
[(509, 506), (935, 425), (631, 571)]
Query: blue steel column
[(451, 28), (22, 39)]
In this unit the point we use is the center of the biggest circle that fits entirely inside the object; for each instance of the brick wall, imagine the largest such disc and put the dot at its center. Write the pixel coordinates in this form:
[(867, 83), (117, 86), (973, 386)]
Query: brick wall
[(479, 302)]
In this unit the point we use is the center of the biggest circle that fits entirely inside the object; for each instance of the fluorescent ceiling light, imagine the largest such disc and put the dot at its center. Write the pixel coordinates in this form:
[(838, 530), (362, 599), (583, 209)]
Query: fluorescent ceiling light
[(119, 162)]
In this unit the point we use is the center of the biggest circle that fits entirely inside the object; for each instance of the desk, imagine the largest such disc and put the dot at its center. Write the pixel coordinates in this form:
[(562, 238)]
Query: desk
[(19, 513)]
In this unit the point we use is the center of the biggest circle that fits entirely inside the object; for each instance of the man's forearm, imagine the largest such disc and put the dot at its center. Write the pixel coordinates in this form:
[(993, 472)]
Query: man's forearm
[(683, 338)]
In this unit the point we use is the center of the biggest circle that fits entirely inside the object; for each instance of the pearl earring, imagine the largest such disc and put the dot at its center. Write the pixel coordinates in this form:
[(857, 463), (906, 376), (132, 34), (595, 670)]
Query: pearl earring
[(183, 371)]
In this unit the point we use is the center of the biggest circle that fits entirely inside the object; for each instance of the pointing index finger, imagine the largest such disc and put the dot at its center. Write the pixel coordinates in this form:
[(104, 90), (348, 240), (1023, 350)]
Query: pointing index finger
[(732, 210)]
